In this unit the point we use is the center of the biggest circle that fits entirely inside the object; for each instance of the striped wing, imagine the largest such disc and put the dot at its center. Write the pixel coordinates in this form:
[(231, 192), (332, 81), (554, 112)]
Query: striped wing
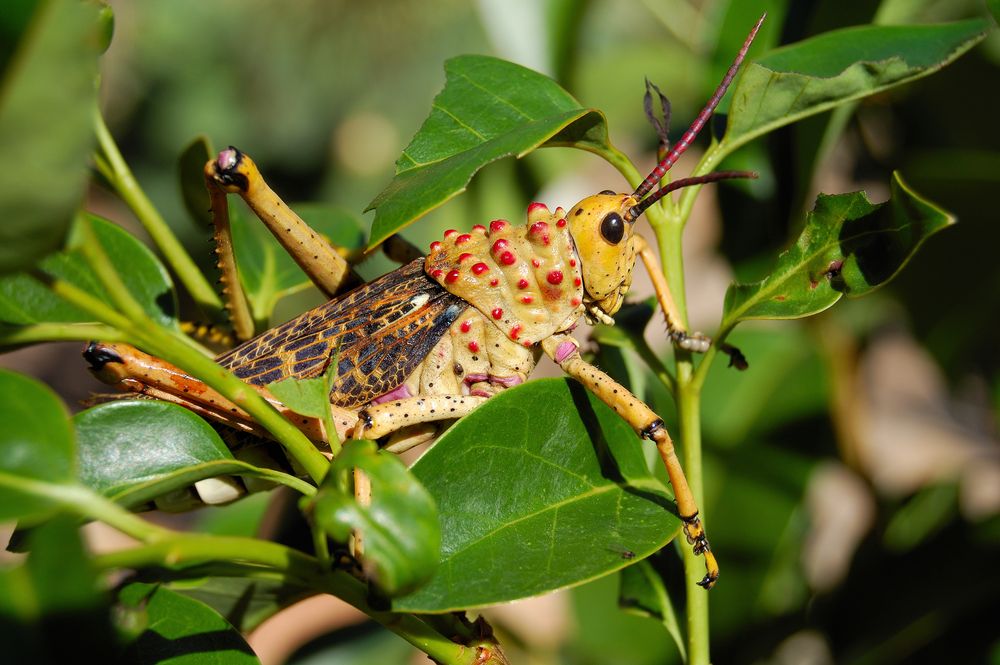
[(384, 328)]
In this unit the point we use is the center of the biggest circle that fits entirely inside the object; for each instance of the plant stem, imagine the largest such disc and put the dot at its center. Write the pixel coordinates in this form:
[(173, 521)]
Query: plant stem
[(112, 166), (186, 550), (57, 332)]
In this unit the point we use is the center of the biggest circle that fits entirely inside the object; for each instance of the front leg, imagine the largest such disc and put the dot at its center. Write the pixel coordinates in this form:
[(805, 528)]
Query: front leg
[(564, 350)]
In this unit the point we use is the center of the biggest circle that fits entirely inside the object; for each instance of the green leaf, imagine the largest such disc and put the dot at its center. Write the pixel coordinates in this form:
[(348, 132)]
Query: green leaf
[(488, 109), (819, 73), (36, 447), (133, 451), (267, 272), (642, 593), (191, 179), (182, 630), (921, 517), (245, 603), (48, 96), (402, 538), (540, 488), (24, 300), (54, 595), (849, 246), (994, 8), (307, 397)]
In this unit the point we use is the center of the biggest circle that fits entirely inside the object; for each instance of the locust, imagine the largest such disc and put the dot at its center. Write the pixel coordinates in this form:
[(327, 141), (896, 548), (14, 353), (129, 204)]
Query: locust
[(434, 339)]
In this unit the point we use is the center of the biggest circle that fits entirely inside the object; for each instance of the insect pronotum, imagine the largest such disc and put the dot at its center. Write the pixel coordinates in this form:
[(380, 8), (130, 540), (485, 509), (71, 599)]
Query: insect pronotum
[(434, 339)]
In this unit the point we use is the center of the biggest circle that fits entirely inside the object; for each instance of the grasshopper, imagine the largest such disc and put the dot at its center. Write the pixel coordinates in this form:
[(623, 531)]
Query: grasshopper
[(431, 341)]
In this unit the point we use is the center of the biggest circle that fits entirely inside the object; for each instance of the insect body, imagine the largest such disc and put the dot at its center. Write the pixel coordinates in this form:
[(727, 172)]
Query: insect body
[(431, 341)]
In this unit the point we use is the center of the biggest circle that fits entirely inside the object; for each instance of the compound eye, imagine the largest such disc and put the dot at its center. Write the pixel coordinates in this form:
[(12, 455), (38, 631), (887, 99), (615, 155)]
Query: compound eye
[(613, 228), (608, 192)]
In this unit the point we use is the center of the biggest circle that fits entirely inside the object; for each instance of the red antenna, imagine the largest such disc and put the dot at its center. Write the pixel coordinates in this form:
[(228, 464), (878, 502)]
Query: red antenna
[(640, 207), (699, 122)]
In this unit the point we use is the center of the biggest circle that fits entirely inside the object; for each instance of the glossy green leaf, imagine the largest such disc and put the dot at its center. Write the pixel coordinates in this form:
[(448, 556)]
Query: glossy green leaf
[(540, 488), (819, 73), (36, 447), (24, 300), (267, 271), (53, 596), (642, 592), (182, 630), (244, 602), (488, 109), (135, 451), (308, 397), (849, 247), (191, 179), (402, 538), (47, 100)]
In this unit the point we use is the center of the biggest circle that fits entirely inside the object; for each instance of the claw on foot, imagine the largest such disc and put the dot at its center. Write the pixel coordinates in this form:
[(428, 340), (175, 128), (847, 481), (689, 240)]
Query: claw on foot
[(695, 535)]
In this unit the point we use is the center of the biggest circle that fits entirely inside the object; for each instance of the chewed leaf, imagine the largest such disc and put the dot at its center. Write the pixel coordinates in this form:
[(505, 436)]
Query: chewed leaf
[(488, 109), (825, 71), (849, 247)]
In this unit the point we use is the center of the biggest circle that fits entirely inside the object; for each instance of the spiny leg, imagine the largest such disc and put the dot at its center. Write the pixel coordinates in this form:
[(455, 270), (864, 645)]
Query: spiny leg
[(564, 350), (235, 172)]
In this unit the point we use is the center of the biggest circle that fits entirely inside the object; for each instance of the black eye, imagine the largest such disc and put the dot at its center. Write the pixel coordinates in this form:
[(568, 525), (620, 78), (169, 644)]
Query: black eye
[(608, 192), (613, 228)]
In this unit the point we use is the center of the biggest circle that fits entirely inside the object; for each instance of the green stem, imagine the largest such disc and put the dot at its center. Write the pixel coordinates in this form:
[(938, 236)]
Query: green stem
[(57, 332), (689, 413), (186, 550), (112, 166)]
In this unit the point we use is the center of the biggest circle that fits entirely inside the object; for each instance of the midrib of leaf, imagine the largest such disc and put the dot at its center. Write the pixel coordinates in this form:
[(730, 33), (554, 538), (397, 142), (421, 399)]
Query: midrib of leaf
[(595, 491)]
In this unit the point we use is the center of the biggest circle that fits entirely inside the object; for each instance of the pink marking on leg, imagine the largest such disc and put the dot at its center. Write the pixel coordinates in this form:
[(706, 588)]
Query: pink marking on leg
[(564, 351), (475, 378), (401, 392), (506, 381)]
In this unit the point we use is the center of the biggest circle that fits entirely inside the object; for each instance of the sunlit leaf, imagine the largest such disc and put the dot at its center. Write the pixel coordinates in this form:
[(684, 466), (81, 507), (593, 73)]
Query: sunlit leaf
[(540, 488), (488, 109)]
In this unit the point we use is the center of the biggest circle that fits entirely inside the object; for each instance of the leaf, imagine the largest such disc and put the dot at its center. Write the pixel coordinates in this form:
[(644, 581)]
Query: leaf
[(47, 100), (642, 593), (488, 109), (191, 179), (402, 538), (245, 603), (54, 595), (134, 451), (994, 8), (36, 447), (849, 246), (307, 397), (540, 488), (182, 630), (24, 300), (819, 73), (267, 271)]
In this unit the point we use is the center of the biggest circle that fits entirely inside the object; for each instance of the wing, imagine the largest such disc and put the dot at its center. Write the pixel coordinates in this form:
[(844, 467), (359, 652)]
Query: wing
[(384, 328)]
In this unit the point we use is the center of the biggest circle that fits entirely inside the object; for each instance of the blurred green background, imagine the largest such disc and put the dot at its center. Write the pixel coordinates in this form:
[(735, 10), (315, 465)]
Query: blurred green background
[(853, 473)]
